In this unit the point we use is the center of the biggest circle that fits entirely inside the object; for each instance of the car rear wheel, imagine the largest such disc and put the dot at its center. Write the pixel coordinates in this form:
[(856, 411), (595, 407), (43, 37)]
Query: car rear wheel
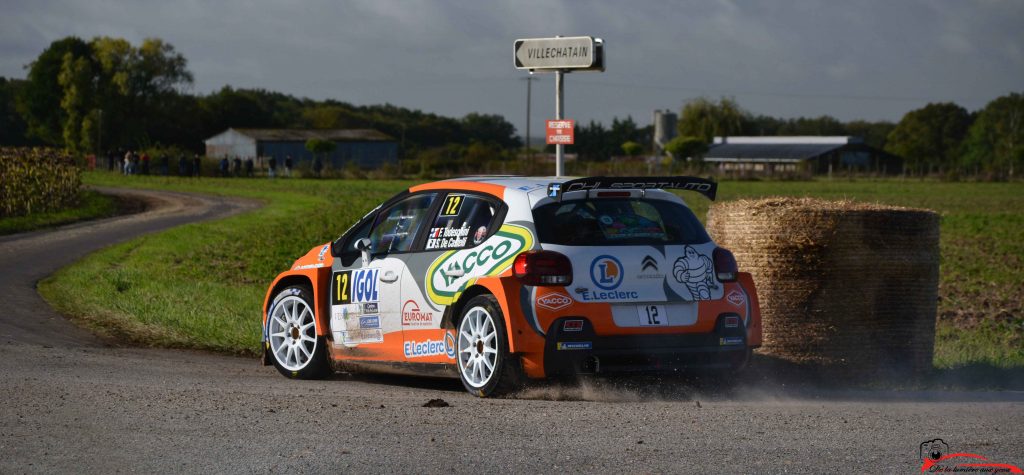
[(485, 365), (294, 346)]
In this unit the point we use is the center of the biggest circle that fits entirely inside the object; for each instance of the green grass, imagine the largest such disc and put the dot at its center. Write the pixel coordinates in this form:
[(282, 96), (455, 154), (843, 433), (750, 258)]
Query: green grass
[(201, 286), (91, 205)]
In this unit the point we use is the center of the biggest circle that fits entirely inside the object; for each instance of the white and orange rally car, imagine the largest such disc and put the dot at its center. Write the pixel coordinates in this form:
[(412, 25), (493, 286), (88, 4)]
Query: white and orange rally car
[(495, 279)]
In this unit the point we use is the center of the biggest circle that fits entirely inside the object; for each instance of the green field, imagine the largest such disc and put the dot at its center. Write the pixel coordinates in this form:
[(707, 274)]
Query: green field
[(91, 205), (201, 285)]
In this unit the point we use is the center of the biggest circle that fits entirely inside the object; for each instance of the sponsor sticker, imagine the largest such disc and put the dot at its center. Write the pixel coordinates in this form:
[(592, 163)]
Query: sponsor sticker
[(572, 326), (554, 301), (323, 251), (420, 349), (588, 295), (606, 272), (371, 307), (364, 282), (449, 344), (369, 322), (736, 298), (574, 345), (730, 340), (696, 272), (453, 270), (413, 316), (309, 266), (341, 288), (362, 336), (448, 237)]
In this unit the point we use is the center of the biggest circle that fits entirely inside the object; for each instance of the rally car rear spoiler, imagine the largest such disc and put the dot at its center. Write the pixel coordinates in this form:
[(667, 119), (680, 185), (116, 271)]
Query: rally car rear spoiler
[(707, 188)]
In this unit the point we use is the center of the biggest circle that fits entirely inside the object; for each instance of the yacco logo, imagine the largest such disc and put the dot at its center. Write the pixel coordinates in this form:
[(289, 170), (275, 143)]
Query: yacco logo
[(413, 316), (364, 283), (453, 270), (736, 298), (554, 301), (420, 349), (606, 272)]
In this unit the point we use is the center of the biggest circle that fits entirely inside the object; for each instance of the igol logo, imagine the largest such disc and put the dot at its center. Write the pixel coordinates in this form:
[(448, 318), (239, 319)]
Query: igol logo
[(606, 272)]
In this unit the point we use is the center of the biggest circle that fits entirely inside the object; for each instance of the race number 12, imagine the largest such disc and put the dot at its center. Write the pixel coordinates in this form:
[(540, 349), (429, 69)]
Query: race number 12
[(652, 315), (342, 292)]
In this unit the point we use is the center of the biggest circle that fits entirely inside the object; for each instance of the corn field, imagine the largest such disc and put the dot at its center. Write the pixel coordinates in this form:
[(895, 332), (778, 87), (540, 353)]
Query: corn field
[(34, 180)]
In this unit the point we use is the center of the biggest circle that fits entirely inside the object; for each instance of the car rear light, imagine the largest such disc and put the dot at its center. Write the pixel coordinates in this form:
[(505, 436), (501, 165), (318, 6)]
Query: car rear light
[(725, 265), (543, 268)]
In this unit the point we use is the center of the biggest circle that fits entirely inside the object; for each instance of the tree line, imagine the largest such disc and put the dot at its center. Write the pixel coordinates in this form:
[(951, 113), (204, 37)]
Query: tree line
[(91, 96), (939, 138)]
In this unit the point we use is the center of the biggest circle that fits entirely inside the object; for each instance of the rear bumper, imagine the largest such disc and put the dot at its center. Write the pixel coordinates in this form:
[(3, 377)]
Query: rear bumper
[(583, 352)]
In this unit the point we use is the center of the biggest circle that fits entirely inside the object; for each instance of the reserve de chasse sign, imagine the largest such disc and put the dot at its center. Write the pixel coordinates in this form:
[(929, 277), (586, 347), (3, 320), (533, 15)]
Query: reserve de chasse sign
[(560, 132), (574, 52)]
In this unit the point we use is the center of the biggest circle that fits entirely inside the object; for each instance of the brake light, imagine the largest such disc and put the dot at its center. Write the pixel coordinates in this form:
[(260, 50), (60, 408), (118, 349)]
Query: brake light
[(542, 268), (725, 265), (613, 194)]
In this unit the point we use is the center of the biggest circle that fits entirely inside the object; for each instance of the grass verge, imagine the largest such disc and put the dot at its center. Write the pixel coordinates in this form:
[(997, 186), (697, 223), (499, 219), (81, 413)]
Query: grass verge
[(201, 285), (91, 205)]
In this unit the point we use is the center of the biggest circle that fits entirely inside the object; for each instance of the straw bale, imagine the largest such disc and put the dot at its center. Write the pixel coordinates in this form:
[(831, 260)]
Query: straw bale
[(841, 284)]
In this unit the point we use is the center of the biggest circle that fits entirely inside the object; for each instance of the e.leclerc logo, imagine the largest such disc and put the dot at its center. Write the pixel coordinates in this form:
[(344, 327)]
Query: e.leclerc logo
[(606, 272)]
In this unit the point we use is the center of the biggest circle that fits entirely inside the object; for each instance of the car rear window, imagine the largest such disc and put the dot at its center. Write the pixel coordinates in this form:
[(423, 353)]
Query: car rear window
[(617, 222)]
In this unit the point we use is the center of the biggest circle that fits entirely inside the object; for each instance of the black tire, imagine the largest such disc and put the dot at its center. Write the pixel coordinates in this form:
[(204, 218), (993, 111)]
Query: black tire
[(296, 353), (506, 374)]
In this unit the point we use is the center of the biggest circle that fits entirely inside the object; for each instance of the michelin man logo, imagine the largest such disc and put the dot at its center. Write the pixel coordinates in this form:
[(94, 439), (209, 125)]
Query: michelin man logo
[(696, 272)]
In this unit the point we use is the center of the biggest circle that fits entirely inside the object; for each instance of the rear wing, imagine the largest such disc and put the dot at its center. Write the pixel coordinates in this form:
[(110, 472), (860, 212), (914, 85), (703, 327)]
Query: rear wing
[(707, 188)]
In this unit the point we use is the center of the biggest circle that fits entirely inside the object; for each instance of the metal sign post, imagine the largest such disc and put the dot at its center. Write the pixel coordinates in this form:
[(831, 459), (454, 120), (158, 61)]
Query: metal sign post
[(559, 55), (559, 104)]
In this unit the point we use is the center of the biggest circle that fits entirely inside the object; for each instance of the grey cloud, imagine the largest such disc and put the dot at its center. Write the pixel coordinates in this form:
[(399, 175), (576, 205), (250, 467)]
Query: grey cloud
[(859, 59)]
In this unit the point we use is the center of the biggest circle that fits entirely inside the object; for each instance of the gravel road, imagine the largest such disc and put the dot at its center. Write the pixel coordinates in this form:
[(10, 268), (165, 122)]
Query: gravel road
[(71, 402)]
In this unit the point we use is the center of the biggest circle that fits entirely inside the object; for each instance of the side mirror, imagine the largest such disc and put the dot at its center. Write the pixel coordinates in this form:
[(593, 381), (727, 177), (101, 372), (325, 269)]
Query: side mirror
[(363, 246)]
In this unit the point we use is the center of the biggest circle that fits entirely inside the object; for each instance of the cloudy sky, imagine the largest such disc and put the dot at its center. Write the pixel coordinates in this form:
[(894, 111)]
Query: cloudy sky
[(850, 59)]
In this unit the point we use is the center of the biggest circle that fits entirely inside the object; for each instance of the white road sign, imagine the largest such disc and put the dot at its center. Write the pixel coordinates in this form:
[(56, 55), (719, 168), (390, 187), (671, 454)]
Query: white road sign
[(574, 52)]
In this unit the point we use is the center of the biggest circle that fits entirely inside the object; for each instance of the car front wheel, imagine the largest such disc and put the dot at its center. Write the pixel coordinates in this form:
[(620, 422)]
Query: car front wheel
[(296, 349)]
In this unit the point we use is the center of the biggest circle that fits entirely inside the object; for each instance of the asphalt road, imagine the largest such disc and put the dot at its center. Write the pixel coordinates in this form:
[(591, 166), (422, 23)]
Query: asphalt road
[(72, 402)]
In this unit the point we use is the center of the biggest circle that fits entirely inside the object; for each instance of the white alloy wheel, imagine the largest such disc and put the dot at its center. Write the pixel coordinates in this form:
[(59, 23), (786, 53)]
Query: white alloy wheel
[(292, 332), (477, 347)]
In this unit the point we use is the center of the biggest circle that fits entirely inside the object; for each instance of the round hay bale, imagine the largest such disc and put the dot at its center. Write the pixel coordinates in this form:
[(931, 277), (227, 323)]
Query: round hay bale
[(841, 284)]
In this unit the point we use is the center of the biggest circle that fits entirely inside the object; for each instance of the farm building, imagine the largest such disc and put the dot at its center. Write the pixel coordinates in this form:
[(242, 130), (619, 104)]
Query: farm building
[(816, 155), (366, 147)]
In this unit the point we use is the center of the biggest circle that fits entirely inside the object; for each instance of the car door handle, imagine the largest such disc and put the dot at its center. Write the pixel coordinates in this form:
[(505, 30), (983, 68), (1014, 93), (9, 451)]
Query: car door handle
[(389, 276)]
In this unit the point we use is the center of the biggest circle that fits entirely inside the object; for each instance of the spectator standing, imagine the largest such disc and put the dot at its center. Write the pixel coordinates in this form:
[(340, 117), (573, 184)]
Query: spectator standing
[(224, 167), (197, 165), (126, 164), (318, 166), (237, 168), (248, 167), (145, 163), (164, 164), (135, 163), (288, 166), (271, 167), (182, 166)]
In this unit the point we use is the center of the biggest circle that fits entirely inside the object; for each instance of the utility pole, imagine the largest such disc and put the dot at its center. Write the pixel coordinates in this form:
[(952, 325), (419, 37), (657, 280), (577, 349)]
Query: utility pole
[(529, 82)]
